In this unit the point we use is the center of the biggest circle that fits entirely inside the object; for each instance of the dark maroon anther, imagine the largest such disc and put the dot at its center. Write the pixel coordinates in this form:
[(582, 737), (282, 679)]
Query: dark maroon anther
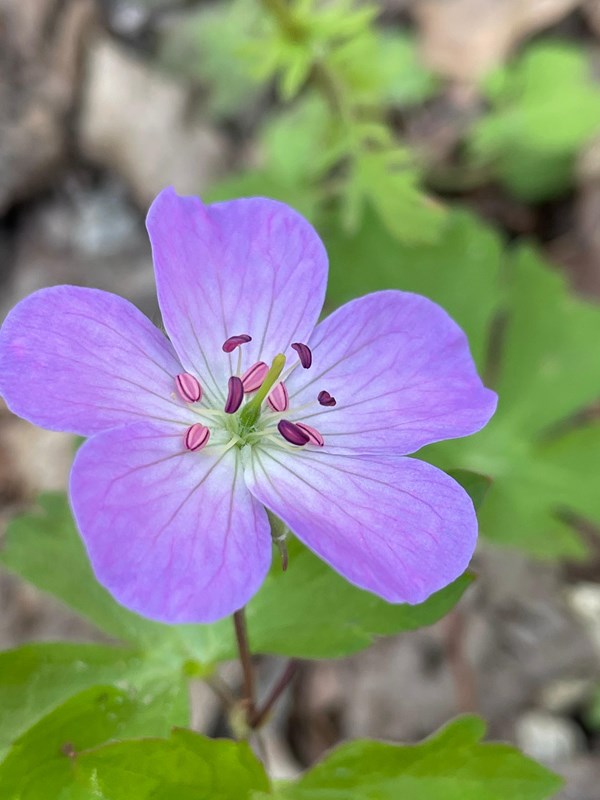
[(235, 341), (314, 437), (325, 399), (292, 433), (304, 354), (235, 394)]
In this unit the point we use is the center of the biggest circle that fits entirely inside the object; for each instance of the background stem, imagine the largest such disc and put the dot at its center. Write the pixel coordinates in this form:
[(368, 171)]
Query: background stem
[(241, 635), (278, 689)]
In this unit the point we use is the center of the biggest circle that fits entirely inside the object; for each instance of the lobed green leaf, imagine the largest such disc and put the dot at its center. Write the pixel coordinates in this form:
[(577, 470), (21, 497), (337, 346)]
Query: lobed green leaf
[(451, 765)]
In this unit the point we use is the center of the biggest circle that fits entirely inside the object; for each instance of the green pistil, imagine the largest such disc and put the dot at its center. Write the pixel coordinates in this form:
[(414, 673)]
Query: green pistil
[(250, 413)]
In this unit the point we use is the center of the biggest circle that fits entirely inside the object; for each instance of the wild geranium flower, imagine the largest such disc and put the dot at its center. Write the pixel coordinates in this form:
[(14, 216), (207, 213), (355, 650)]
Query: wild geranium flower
[(247, 406)]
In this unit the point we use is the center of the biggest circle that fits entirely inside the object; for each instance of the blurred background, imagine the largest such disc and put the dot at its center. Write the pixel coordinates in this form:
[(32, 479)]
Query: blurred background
[(449, 147)]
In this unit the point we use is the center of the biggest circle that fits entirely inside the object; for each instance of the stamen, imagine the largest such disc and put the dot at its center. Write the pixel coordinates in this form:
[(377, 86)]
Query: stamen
[(230, 344), (251, 411), (188, 387), (325, 399), (278, 398), (292, 433), (304, 354), (235, 394), (196, 437), (253, 378), (314, 437)]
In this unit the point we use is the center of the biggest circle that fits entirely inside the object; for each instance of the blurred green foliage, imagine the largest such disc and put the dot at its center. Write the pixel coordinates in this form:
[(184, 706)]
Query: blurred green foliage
[(205, 47), (335, 141), (543, 108)]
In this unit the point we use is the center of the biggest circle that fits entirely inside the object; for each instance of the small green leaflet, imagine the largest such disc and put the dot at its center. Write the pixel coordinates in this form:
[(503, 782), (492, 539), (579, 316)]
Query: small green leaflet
[(284, 618), (452, 765), (185, 767), (35, 678), (545, 107)]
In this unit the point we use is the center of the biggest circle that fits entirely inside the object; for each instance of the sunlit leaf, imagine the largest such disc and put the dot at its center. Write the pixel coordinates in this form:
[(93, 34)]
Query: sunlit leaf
[(42, 763), (35, 678), (185, 767), (452, 765)]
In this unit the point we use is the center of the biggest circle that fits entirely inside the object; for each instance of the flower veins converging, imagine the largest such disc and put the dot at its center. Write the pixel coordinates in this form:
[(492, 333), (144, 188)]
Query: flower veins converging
[(247, 405)]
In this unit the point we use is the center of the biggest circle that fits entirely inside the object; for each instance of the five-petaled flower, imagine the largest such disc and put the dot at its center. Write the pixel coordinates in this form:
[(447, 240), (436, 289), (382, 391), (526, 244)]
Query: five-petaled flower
[(248, 406)]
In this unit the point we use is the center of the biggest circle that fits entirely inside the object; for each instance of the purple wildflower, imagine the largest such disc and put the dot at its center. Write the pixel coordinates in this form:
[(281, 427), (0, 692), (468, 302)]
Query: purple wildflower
[(170, 490)]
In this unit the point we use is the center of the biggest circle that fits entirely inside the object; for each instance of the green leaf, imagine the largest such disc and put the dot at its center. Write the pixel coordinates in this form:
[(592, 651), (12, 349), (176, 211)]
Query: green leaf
[(543, 469), (42, 762), (292, 143), (47, 536), (451, 765), (312, 612), (185, 767), (389, 182), (460, 271), (550, 367), (294, 140), (545, 107), (592, 713), (36, 678), (405, 80), (476, 486)]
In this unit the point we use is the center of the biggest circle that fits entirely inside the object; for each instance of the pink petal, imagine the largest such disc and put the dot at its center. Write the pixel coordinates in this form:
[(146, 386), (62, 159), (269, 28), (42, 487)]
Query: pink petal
[(173, 535), (401, 372), (253, 266), (83, 360), (397, 527)]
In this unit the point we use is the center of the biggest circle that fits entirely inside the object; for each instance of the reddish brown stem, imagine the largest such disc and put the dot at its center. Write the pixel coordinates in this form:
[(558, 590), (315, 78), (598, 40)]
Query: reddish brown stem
[(463, 674), (278, 689), (241, 635)]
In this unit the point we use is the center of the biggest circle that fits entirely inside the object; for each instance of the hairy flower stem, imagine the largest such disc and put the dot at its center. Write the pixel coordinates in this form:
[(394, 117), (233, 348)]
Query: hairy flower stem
[(260, 715), (241, 635)]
